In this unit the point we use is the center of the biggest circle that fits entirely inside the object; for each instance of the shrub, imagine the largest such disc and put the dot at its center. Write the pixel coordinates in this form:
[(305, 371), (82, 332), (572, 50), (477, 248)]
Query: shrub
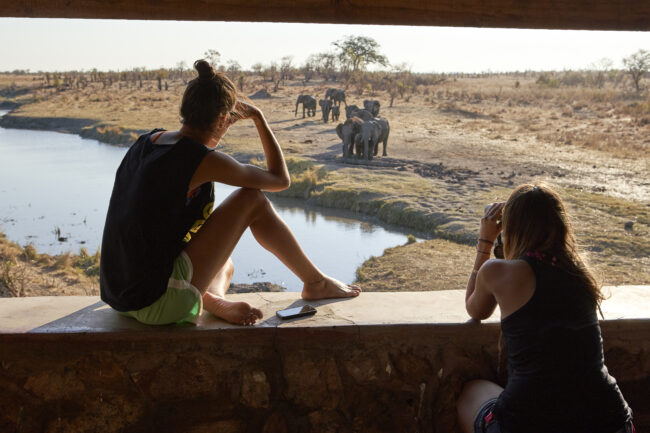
[(30, 252), (63, 261), (546, 80)]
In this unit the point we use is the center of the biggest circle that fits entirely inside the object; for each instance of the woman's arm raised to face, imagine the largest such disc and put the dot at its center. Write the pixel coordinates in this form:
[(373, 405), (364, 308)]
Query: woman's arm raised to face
[(480, 301), (219, 167)]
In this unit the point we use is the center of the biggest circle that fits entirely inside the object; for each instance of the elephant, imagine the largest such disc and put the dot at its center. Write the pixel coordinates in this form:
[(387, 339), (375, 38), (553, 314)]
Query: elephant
[(372, 132), (326, 107), (360, 113), (336, 95), (372, 106), (347, 132), (350, 110), (308, 103), (367, 140), (383, 135), (336, 112)]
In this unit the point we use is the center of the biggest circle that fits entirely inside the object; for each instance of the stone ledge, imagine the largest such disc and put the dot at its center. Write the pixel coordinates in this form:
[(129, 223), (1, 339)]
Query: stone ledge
[(88, 314), (383, 362)]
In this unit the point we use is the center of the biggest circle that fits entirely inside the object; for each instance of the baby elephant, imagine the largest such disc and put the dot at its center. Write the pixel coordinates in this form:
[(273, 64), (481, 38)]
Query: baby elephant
[(336, 112), (326, 107)]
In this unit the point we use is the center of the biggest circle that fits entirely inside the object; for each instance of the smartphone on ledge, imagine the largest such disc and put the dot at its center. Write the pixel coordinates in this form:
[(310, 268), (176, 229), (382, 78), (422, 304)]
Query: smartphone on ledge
[(290, 313)]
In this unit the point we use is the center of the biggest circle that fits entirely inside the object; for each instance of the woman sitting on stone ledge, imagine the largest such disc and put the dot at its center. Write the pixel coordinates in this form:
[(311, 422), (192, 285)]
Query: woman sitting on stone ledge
[(557, 379), (165, 252)]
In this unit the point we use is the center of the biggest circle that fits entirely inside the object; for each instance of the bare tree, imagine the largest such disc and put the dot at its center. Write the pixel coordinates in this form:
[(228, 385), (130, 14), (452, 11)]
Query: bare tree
[(325, 65), (212, 56), (601, 70), (286, 69), (257, 68), (233, 70), (307, 70), (271, 72), (181, 67)]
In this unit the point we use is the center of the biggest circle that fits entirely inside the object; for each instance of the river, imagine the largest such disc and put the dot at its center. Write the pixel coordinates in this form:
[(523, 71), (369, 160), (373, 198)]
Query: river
[(56, 186)]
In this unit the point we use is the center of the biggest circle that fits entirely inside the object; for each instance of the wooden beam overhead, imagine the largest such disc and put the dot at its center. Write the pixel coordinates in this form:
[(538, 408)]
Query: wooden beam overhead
[(534, 14)]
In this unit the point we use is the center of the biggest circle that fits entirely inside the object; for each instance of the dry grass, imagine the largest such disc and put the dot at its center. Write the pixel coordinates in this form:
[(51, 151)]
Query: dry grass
[(429, 265), (24, 272)]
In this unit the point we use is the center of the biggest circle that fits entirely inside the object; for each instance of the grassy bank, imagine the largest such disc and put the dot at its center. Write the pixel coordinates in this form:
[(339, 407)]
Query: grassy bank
[(617, 254), (25, 272), (395, 198)]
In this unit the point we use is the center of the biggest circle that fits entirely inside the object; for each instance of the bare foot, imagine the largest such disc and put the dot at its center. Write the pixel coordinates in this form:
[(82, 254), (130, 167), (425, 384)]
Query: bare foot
[(329, 288), (239, 313)]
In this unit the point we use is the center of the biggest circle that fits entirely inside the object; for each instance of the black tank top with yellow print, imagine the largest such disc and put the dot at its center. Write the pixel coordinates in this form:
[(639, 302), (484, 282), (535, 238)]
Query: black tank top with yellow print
[(150, 218)]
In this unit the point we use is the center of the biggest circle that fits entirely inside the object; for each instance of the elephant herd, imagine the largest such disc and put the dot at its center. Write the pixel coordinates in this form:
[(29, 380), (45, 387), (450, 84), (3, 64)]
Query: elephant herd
[(330, 104), (362, 130)]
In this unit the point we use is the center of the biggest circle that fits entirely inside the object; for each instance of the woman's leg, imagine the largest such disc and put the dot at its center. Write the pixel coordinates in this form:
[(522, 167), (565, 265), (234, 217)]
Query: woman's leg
[(214, 301), (472, 397), (273, 234), (211, 247)]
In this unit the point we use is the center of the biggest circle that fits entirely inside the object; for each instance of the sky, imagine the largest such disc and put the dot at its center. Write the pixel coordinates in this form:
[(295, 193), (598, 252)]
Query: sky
[(65, 44)]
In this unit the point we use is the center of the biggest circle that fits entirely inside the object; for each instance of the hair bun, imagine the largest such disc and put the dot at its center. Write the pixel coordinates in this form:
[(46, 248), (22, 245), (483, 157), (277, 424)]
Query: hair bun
[(204, 69)]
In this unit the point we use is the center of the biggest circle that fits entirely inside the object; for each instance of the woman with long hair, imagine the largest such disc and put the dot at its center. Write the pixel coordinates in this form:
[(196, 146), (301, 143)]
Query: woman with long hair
[(165, 251), (548, 298)]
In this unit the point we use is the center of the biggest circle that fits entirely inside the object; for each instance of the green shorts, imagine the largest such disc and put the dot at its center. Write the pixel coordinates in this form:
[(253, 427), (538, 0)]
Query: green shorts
[(181, 302)]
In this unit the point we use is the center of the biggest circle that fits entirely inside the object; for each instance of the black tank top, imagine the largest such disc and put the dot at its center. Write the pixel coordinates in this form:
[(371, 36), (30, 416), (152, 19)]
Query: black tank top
[(557, 379), (150, 217)]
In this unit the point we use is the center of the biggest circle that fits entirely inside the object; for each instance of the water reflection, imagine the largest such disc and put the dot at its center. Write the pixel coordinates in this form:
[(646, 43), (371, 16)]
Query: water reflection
[(54, 191)]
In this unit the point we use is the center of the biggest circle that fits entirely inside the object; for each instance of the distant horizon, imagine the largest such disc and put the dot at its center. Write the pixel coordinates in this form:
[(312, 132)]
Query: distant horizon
[(191, 68), (60, 45)]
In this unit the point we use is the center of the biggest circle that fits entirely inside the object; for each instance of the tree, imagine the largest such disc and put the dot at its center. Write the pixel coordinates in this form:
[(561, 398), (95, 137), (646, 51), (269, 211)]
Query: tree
[(181, 66), (601, 69), (307, 70), (233, 70), (325, 65), (286, 69), (357, 52), (212, 56), (399, 82), (637, 65), (257, 68)]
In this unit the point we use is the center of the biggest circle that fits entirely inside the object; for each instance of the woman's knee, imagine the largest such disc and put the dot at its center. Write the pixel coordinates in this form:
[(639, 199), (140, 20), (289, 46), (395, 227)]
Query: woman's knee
[(253, 198), (476, 392)]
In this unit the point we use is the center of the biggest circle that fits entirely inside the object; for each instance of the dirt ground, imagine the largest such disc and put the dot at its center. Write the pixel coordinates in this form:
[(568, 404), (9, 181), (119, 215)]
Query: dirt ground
[(453, 147)]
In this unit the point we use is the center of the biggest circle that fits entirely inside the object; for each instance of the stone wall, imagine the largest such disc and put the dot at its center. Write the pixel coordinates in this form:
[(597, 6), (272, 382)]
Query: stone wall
[(400, 377)]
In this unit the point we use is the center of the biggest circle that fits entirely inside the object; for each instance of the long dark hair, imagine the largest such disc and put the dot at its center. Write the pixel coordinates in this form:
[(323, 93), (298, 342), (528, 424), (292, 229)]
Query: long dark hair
[(535, 220), (207, 97)]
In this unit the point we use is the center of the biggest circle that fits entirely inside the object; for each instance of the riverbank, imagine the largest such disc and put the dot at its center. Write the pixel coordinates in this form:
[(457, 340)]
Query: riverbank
[(86, 128), (26, 272), (450, 153)]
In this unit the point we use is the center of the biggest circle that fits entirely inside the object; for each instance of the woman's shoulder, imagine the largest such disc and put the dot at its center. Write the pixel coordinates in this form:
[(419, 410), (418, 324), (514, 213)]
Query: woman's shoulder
[(503, 275), (512, 282), (498, 267)]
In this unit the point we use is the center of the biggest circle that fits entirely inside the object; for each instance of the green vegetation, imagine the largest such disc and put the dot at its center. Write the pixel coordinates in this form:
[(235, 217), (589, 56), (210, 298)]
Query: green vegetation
[(357, 52)]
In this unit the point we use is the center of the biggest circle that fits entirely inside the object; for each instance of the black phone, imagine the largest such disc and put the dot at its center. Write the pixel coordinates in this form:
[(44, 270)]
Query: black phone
[(290, 313)]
